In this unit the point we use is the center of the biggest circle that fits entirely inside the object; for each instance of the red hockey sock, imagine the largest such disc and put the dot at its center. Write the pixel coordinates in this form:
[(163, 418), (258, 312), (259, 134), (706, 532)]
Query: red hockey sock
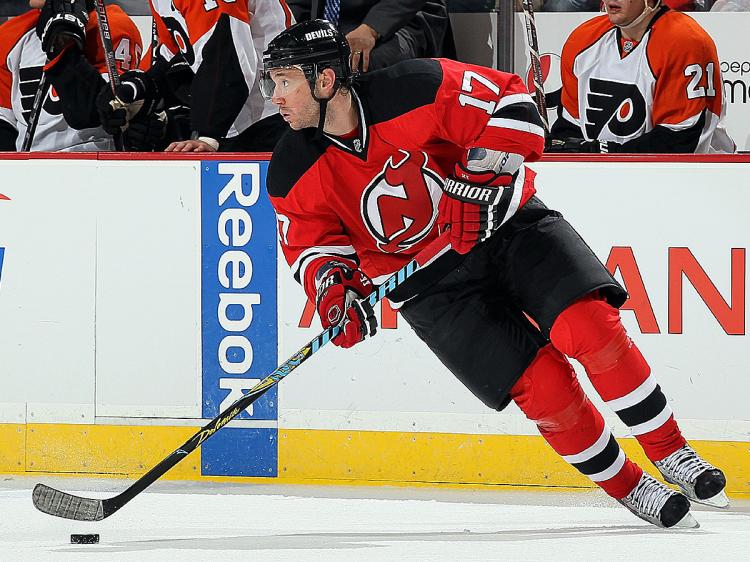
[(590, 331), (549, 394)]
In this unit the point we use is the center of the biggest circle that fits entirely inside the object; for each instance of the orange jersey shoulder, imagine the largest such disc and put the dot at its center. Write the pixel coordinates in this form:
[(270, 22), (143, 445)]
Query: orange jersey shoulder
[(582, 37), (10, 33), (13, 29), (200, 17), (126, 41), (685, 62), (585, 35)]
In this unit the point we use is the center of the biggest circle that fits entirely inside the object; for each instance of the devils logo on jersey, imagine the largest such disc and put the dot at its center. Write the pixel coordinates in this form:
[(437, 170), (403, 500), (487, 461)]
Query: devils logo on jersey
[(616, 105), (399, 205)]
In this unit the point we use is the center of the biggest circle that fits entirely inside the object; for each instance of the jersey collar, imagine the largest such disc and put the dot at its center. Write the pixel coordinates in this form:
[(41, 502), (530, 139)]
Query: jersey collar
[(356, 145)]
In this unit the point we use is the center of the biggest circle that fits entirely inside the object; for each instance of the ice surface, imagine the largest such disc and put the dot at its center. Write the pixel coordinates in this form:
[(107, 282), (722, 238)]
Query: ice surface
[(205, 522)]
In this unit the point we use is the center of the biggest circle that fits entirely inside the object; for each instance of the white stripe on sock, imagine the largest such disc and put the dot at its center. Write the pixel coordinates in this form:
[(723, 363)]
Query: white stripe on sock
[(634, 397), (611, 471), (654, 423), (592, 451)]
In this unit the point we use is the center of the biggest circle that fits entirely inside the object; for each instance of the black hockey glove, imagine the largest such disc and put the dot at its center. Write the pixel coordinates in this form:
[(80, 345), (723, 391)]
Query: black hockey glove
[(581, 146), (60, 23), (137, 94), (145, 132), (154, 131)]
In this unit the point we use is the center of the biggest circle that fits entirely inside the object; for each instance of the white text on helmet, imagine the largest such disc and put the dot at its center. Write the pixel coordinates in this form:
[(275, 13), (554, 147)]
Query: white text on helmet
[(319, 34)]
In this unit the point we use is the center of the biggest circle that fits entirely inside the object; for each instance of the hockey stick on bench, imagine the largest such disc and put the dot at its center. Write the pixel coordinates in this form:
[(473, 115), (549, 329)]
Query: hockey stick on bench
[(105, 35), (68, 506)]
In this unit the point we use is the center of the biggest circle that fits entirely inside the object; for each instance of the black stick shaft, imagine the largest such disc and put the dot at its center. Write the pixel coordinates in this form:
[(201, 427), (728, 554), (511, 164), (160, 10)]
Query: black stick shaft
[(536, 63), (58, 503), (36, 110), (105, 35)]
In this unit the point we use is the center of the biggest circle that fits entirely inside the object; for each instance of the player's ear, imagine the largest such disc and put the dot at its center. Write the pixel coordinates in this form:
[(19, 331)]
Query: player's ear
[(326, 81)]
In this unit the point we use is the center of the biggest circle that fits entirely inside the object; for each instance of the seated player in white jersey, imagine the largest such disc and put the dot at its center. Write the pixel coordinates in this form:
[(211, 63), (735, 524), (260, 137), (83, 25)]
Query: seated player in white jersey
[(377, 165), (641, 78), (221, 44), (61, 37)]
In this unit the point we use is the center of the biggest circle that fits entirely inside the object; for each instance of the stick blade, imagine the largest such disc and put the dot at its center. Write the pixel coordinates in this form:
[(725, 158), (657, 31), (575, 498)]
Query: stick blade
[(60, 504)]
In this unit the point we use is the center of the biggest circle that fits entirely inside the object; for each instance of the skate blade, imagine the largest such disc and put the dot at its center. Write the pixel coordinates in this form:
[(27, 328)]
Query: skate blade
[(720, 500), (687, 522)]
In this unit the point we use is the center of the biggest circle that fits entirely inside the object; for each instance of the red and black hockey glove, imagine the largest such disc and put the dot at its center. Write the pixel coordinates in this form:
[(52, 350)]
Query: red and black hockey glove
[(470, 204), (340, 289)]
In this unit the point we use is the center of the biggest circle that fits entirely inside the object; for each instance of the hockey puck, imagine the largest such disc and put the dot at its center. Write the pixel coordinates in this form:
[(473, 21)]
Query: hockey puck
[(84, 539)]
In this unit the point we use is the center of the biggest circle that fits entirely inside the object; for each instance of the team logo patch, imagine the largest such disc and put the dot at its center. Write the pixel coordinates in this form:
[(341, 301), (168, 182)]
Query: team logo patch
[(399, 205), (615, 105), (28, 83), (551, 81)]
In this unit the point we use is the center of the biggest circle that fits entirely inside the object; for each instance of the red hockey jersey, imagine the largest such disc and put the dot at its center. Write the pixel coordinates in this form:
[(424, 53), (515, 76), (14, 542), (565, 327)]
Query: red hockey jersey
[(373, 199)]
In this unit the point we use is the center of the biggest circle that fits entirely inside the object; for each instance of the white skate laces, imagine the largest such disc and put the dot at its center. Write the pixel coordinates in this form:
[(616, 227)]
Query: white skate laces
[(652, 501), (699, 480)]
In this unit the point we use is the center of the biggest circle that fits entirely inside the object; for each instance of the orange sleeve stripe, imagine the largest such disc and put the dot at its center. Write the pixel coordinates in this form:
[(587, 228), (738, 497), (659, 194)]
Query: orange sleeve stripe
[(10, 32)]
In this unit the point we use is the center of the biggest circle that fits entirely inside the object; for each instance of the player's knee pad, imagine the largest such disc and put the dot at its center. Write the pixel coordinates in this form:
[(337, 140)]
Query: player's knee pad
[(548, 392), (590, 331)]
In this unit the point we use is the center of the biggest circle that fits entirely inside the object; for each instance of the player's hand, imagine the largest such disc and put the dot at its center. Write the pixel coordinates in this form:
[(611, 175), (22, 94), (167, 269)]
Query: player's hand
[(571, 145), (469, 207), (362, 41), (194, 145), (340, 289), (136, 94), (145, 132), (60, 23)]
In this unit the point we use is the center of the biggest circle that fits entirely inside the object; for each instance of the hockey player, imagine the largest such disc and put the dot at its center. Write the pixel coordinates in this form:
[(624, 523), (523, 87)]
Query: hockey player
[(641, 78), (222, 43), (370, 172), (63, 39)]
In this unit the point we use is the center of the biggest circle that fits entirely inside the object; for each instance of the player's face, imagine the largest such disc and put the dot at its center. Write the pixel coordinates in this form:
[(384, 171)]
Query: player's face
[(622, 12), (36, 3), (292, 94)]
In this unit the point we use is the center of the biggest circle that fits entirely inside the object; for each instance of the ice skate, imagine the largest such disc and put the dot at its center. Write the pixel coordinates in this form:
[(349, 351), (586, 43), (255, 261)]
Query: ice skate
[(652, 501), (699, 480)]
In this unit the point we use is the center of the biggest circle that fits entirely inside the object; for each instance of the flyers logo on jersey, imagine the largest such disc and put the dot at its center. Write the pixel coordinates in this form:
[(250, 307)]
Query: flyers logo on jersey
[(399, 205), (616, 105), (28, 83)]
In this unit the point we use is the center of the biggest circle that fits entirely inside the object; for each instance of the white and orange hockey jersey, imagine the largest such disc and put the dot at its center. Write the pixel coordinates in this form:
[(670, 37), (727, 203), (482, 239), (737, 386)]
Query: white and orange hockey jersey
[(662, 94), (21, 64), (223, 42)]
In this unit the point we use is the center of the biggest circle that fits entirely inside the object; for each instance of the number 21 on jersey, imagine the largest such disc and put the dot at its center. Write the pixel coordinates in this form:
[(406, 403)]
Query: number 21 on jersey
[(696, 72)]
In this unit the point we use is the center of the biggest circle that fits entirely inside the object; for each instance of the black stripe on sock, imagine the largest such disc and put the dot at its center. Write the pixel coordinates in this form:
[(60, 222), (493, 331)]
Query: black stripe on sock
[(646, 410), (601, 461)]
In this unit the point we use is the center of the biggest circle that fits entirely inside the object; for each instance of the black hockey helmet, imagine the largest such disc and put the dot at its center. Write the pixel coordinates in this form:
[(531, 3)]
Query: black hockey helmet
[(311, 46)]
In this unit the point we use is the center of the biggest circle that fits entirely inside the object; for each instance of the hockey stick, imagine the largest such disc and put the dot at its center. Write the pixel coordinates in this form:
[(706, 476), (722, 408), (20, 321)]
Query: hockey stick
[(68, 506), (36, 110), (109, 56), (536, 63)]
